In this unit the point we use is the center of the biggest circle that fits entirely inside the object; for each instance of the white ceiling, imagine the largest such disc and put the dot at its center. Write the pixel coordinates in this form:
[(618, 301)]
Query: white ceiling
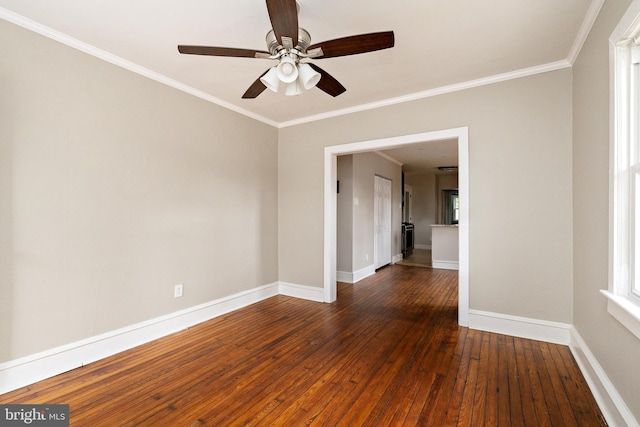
[(425, 158), (439, 44)]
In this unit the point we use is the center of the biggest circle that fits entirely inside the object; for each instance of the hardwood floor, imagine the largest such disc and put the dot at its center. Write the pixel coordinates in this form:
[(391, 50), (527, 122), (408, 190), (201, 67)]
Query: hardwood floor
[(387, 353), (418, 258)]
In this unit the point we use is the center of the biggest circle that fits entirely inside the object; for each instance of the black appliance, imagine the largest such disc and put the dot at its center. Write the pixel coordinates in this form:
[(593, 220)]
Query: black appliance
[(407, 239)]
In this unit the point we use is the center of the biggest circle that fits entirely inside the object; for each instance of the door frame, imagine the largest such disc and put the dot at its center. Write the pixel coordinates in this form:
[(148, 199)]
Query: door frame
[(331, 154)]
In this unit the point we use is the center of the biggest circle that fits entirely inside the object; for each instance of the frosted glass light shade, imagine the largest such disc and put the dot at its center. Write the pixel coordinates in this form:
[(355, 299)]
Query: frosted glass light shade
[(294, 88), (308, 76), (271, 80), (287, 70)]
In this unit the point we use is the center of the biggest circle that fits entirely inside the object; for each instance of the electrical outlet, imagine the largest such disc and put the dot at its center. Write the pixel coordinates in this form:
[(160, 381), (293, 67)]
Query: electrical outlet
[(177, 291)]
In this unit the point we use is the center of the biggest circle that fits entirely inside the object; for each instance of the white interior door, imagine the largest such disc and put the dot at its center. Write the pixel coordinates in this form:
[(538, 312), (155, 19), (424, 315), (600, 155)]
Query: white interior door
[(382, 222)]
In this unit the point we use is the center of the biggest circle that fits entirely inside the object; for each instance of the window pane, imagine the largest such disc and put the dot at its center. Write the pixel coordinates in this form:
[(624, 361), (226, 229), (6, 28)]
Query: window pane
[(634, 113), (456, 208), (635, 226), (634, 168)]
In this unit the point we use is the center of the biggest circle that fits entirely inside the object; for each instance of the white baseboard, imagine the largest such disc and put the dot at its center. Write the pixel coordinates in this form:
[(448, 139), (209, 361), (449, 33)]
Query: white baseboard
[(396, 258), (541, 330), (613, 408), (36, 367), (445, 265), (300, 291), (369, 270), (344, 276), (356, 276)]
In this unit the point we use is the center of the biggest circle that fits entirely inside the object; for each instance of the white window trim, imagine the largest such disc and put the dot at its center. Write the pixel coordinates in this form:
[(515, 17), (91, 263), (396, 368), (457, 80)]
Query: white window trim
[(621, 304), (624, 311)]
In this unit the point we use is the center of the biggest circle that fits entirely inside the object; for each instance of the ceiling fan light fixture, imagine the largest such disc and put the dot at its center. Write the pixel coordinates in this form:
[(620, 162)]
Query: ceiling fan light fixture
[(447, 168), (294, 88), (271, 80), (287, 70), (308, 76)]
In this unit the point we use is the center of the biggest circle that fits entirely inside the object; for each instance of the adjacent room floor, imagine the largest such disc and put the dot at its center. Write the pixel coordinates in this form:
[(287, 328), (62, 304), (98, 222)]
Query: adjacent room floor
[(418, 258)]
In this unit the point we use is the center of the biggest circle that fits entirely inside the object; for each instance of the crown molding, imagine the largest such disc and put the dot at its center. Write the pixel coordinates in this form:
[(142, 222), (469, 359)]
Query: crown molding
[(585, 29), (525, 72)]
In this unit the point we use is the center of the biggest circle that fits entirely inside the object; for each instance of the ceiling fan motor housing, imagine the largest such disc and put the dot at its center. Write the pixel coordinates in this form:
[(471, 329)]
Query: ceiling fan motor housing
[(274, 46)]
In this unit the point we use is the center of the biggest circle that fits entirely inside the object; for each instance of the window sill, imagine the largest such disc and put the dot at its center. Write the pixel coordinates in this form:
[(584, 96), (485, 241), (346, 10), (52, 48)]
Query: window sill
[(624, 311)]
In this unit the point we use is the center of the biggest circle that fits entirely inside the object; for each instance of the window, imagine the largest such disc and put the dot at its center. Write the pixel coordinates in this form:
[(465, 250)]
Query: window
[(450, 207), (624, 277), (634, 156), (455, 201)]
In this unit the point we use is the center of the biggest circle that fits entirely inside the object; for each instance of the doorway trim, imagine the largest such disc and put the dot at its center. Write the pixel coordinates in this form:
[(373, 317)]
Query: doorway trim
[(331, 154)]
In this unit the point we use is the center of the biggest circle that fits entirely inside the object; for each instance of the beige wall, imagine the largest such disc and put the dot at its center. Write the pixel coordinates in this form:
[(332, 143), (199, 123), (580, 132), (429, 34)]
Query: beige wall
[(616, 349), (113, 188), (520, 229), (344, 215)]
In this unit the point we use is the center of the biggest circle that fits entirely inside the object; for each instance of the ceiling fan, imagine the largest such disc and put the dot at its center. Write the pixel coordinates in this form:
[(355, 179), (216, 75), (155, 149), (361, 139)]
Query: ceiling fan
[(289, 45)]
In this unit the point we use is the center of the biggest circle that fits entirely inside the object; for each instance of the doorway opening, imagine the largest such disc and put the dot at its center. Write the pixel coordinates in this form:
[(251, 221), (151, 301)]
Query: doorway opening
[(330, 205)]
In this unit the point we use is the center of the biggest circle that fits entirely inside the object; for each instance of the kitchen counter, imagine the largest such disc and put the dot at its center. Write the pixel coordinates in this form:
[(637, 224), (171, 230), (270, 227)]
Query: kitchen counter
[(444, 246)]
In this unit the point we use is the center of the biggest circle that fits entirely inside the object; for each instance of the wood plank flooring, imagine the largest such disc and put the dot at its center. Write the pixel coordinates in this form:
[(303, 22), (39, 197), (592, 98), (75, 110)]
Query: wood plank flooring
[(387, 353), (418, 258)]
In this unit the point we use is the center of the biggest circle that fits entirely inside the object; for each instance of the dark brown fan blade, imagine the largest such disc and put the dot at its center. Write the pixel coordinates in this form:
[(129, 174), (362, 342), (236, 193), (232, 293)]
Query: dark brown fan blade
[(353, 45), (255, 89), (222, 51), (327, 83), (284, 19)]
